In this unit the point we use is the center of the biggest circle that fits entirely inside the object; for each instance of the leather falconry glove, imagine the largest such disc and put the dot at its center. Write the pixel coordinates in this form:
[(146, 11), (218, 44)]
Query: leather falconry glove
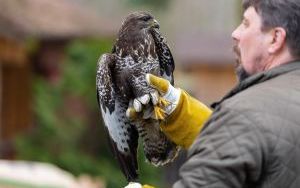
[(181, 116)]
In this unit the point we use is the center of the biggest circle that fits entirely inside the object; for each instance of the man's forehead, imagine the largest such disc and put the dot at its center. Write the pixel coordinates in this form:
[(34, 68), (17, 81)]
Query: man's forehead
[(249, 13)]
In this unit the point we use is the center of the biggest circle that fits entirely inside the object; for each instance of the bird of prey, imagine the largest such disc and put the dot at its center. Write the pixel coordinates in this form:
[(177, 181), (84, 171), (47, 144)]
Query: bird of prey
[(139, 49)]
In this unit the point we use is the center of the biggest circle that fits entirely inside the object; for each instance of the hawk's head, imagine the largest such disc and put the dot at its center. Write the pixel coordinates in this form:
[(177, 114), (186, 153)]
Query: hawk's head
[(135, 38), (138, 21)]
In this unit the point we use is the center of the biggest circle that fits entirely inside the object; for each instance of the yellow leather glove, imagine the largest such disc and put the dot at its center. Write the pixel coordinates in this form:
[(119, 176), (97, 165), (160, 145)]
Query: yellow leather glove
[(182, 115)]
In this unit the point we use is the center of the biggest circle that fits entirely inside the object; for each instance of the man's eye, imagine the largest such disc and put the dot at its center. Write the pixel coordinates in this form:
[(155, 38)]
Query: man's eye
[(245, 23)]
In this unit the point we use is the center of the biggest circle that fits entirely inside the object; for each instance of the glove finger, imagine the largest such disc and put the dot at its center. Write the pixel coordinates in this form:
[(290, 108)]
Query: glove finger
[(162, 85), (144, 99), (154, 97), (137, 105)]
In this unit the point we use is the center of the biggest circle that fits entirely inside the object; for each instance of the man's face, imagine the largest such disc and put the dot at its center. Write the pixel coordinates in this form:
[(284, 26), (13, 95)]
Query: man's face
[(250, 43)]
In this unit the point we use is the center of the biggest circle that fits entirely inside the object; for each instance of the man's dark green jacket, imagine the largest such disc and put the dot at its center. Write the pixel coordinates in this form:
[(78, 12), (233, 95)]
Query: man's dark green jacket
[(252, 139)]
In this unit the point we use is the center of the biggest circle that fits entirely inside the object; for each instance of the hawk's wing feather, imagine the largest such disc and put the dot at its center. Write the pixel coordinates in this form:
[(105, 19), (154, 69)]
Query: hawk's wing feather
[(165, 57), (104, 83), (122, 135)]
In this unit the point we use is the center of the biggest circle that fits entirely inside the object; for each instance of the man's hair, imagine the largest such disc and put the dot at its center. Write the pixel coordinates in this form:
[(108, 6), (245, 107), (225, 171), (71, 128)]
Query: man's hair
[(280, 13)]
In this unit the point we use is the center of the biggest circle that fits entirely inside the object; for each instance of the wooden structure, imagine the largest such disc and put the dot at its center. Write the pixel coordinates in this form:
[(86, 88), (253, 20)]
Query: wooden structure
[(52, 23), (207, 62), (15, 111)]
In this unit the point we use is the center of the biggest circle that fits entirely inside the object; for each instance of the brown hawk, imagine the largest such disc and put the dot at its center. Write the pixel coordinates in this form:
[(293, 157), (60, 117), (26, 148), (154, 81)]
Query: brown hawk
[(139, 49)]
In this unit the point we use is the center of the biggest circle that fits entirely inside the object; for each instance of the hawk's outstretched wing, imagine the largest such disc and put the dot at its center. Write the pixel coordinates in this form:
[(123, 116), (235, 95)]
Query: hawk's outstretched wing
[(122, 135)]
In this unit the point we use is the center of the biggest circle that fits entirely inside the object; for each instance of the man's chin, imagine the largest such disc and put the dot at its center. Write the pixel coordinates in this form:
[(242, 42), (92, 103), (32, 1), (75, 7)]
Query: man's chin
[(241, 72)]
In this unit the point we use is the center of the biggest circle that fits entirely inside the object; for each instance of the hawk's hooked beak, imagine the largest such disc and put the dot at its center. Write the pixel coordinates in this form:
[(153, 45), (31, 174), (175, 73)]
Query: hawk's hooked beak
[(155, 24)]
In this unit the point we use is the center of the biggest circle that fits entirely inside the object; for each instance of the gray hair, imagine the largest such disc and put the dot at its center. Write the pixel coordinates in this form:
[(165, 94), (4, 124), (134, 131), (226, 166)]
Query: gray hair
[(280, 13)]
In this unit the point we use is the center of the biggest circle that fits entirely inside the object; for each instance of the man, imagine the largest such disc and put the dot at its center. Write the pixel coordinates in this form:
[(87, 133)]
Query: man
[(252, 138)]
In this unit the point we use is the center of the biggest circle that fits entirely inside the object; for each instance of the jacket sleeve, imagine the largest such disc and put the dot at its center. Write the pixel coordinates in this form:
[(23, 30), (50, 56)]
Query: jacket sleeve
[(228, 153)]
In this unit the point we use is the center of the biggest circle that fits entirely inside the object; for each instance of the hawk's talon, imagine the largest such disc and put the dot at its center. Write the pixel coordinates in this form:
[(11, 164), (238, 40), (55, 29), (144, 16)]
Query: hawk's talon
[(154, 97), (137, 105), (144, 99)]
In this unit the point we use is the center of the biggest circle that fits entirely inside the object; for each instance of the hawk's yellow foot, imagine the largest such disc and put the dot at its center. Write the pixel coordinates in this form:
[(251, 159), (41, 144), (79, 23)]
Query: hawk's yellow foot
[(163, 102), (159, 113)]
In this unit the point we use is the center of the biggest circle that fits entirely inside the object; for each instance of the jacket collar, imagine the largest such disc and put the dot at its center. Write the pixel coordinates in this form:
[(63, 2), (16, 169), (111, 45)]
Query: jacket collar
[(259, 78)]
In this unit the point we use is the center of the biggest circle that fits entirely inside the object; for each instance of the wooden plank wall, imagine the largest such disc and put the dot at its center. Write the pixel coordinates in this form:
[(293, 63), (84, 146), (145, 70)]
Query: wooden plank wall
[(16, 114), (210, 83)]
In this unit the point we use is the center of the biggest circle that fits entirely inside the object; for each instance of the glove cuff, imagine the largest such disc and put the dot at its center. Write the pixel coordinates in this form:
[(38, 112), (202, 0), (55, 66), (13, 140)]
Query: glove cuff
[(172, 96), (186, 121)]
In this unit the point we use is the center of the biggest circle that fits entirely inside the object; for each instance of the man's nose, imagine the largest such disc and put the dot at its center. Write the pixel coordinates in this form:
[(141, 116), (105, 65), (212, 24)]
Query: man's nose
[(236, 34)]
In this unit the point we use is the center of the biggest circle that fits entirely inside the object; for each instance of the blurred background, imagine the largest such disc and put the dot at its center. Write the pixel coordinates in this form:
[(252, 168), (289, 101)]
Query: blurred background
[(48, 55)]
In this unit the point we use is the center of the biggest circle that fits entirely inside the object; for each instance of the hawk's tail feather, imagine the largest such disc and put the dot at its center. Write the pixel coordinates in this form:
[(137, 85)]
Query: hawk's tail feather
[(127, 162)]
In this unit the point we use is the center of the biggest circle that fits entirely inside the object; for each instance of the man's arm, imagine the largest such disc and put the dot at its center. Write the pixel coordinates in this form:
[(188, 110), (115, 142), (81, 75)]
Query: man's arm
[(227, 153)]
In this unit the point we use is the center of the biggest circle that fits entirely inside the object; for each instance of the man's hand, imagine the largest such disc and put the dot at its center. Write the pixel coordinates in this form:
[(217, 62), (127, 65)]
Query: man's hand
[(182, 115), (164, 101)]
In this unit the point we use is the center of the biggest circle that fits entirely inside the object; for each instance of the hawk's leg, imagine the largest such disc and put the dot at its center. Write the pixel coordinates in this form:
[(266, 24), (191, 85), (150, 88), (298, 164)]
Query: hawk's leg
[(147, 99)]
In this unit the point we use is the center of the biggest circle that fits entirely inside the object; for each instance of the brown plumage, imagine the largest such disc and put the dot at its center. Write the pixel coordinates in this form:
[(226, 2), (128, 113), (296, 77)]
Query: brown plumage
[(139, 49)]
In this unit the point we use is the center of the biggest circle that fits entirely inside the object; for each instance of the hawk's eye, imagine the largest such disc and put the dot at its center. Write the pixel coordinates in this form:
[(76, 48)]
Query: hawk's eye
[(146, 18)]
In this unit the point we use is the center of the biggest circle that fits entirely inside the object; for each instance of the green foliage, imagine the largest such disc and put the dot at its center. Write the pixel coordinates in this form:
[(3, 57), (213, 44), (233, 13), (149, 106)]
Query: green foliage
[(74, 139)]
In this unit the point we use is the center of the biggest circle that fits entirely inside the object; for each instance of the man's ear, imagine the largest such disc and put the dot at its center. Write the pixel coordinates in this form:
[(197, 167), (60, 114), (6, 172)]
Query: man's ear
[(278, 35)]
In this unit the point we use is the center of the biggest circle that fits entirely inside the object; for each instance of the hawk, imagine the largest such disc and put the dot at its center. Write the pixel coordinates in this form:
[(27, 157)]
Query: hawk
[(139, 49)]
